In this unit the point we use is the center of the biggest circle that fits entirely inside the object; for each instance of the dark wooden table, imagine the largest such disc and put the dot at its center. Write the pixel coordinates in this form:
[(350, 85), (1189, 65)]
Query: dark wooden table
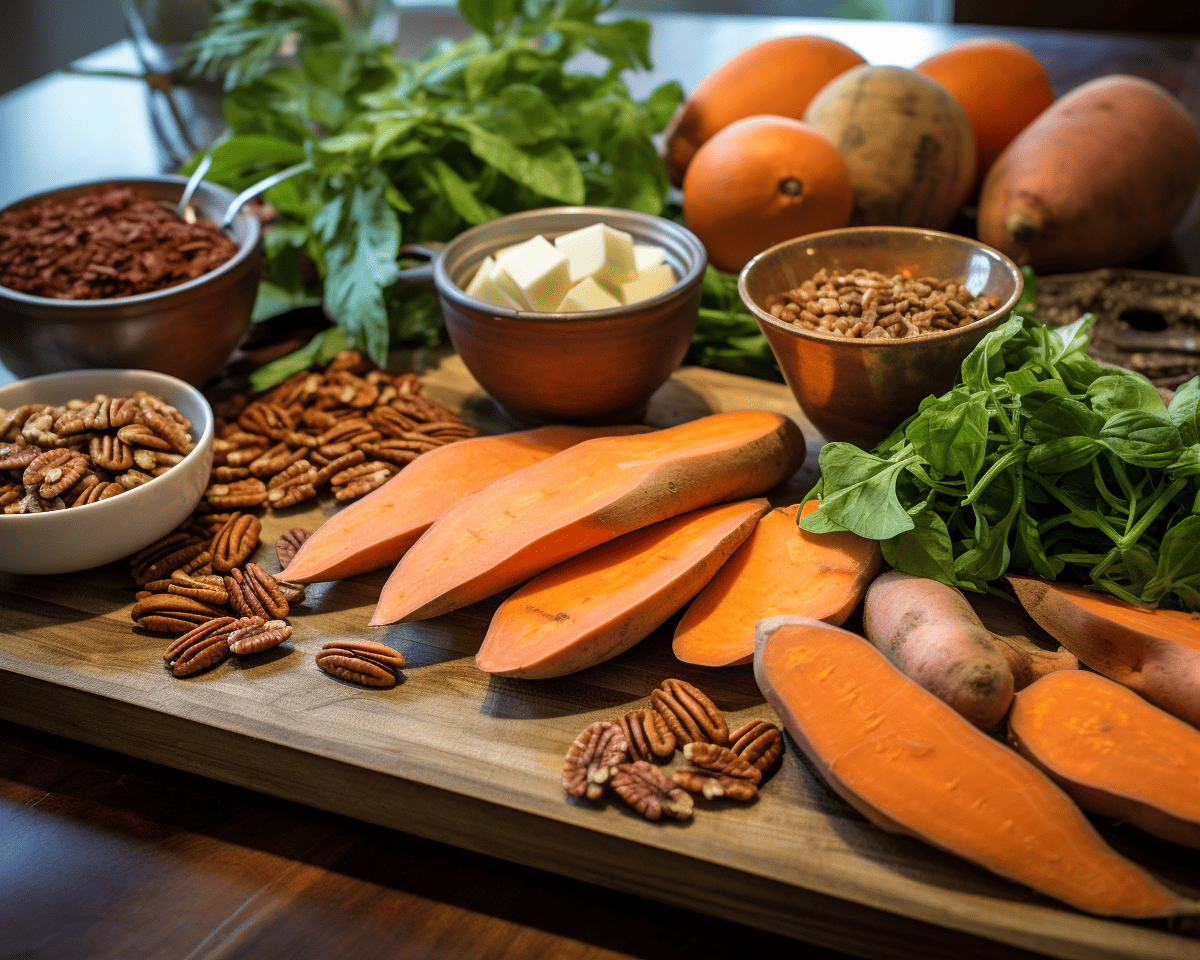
[(103, 855)]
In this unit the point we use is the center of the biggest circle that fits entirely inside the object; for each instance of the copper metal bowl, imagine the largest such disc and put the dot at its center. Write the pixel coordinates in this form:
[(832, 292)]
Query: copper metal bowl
[(188, 331), (859, 390), (596, 367)]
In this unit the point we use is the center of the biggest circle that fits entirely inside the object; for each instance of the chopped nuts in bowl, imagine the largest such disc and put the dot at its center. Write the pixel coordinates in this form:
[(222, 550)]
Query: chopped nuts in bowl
[(156, 496)]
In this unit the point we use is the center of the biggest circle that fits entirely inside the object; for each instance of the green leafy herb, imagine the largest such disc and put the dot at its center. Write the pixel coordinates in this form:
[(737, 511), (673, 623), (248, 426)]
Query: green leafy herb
[(1038, 461)]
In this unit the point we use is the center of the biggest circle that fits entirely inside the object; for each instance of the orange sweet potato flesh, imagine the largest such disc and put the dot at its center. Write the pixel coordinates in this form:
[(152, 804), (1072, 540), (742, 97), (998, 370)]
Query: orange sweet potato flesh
[(1030, 651), (1113, 752), (535, 518), (376, 531), (928, 630), (599, 604), (910, 764), (779, 569), (1155, 653)]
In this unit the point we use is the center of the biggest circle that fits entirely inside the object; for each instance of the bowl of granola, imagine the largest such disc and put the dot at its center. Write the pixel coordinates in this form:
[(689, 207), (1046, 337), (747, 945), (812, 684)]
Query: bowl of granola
[(865, 322), (97, 464), (106, 274)]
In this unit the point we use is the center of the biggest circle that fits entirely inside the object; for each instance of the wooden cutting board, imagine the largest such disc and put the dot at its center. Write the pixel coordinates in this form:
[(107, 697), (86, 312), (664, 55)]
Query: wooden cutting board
[(454, 754)]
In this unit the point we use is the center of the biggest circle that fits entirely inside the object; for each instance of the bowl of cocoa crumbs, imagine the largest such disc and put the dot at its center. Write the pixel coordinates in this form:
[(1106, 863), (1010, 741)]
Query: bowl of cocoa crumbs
[(866, 322), (107, 275)]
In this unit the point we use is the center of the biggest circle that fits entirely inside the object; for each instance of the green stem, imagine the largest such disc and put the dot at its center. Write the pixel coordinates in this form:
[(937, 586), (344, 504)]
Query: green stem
[(1016, 455), (1075, 509), (1158, 505)]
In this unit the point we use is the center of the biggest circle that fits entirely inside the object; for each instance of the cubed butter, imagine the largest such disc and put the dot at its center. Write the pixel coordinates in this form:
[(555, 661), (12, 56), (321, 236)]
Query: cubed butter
[(588, 294), (599, 252), (485, 287), (649, 283), (647, 255), (537, 271)]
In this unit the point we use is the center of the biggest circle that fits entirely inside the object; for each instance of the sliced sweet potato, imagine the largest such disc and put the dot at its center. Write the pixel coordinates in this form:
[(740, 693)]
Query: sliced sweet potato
[(376, 531), (910, 764), (1113, 752), (1155, 653), (528, 521), (1030, 651), (600, 603), (779, 569), (928, 630)]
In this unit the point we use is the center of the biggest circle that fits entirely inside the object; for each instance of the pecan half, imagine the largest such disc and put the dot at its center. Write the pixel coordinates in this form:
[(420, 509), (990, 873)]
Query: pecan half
[(235, 542), (200, 648), (712, 785), (593, 757), (168, 613), (207, 588), (364, 662), (13, 457), (645, 788), (241, 493), (54, 472), (257, 637), (759, 742), (254, 593), (689, 713), (139, 435), (288, 544), (722, 760), (647, 734), (361, 479), (293, 485), (336, 466), (163, 557)]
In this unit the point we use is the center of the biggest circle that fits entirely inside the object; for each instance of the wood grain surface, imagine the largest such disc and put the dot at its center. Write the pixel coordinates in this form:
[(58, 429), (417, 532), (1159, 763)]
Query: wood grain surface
[(455, 755)]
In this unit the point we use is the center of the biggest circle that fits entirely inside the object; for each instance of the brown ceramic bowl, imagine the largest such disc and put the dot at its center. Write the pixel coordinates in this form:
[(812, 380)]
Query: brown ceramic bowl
[(595, 367), (188, 331), (859, 390)]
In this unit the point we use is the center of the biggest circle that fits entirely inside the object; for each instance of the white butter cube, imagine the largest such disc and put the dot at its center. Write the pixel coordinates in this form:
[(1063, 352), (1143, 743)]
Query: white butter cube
[(536, 271), (647, 255), (649, 283), (588, 294), (485, 287), (599, 252)]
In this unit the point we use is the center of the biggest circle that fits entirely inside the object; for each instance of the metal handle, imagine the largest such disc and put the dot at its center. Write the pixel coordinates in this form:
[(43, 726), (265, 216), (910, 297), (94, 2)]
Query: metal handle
[(422, 274), (263, 185)]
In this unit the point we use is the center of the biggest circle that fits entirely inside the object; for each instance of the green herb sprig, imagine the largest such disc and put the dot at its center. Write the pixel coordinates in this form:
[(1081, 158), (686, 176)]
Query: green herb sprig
[(1037, 461)]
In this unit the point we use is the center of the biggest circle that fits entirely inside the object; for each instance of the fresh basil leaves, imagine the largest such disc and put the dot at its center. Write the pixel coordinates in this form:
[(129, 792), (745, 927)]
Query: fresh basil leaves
[(1037, 461)]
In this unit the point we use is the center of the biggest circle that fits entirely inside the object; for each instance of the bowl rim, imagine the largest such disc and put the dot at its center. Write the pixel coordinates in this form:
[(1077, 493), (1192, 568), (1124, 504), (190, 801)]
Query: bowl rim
[(119, 504), (874, 343), (449, 289), (245, 249)]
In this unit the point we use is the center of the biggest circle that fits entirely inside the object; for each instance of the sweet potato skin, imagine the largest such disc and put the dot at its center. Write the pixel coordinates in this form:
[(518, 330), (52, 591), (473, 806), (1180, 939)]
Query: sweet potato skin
[(1156, 653), (779, 569), (1031, 653), (930, 633), (599, 604), (911, 764), (533, 519), (375, 531), (1113, 752)]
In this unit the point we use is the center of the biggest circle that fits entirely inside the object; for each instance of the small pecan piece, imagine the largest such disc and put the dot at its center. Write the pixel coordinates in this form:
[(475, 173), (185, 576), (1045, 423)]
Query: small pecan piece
[(647, 734), (167, 613), (235, 542), (200, 648), (593, 757), (257, 637), (689, 713), (361, 661), (289, 544), (759, 742), (647, 790)]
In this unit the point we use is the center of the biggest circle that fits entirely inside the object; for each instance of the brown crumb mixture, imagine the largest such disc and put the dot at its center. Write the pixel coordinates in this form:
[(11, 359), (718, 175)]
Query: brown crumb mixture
[(868, 304), (114, 243)]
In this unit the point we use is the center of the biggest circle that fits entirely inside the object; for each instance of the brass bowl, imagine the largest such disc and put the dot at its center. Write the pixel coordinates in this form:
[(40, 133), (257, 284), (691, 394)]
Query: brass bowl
[(596, 367), (859, 390), (188, 331)]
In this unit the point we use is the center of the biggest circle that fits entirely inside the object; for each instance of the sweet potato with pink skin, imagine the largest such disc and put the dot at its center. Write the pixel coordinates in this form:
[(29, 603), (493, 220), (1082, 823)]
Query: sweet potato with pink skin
[(1155, 653), (910, 764), (1030, 651), (535, 518), (930, 633), (594, 606), (1113, 752), (376, 530)]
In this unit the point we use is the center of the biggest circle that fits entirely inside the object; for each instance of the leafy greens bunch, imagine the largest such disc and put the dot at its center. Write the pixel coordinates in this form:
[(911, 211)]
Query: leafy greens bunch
[(406, 151), (1037, 461)]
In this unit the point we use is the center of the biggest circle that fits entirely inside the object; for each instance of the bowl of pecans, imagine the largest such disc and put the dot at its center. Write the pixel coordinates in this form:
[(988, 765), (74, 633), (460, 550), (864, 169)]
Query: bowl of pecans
[(865, 322), (97, 464), (107, 274)]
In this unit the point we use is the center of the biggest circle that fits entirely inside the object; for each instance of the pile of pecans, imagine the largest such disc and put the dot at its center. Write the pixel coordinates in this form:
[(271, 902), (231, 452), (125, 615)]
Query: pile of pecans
[(624, 754), (113, 243), (68, 455), (868, 304)]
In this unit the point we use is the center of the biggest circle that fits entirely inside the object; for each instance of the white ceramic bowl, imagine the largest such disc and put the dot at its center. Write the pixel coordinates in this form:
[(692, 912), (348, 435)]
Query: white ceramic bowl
[(79, 538)]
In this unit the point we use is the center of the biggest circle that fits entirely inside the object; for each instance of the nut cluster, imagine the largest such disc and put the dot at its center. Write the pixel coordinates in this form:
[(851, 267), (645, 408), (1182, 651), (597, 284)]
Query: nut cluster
[(349, 428), (58, 456), (868, 304), (623, 754)]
